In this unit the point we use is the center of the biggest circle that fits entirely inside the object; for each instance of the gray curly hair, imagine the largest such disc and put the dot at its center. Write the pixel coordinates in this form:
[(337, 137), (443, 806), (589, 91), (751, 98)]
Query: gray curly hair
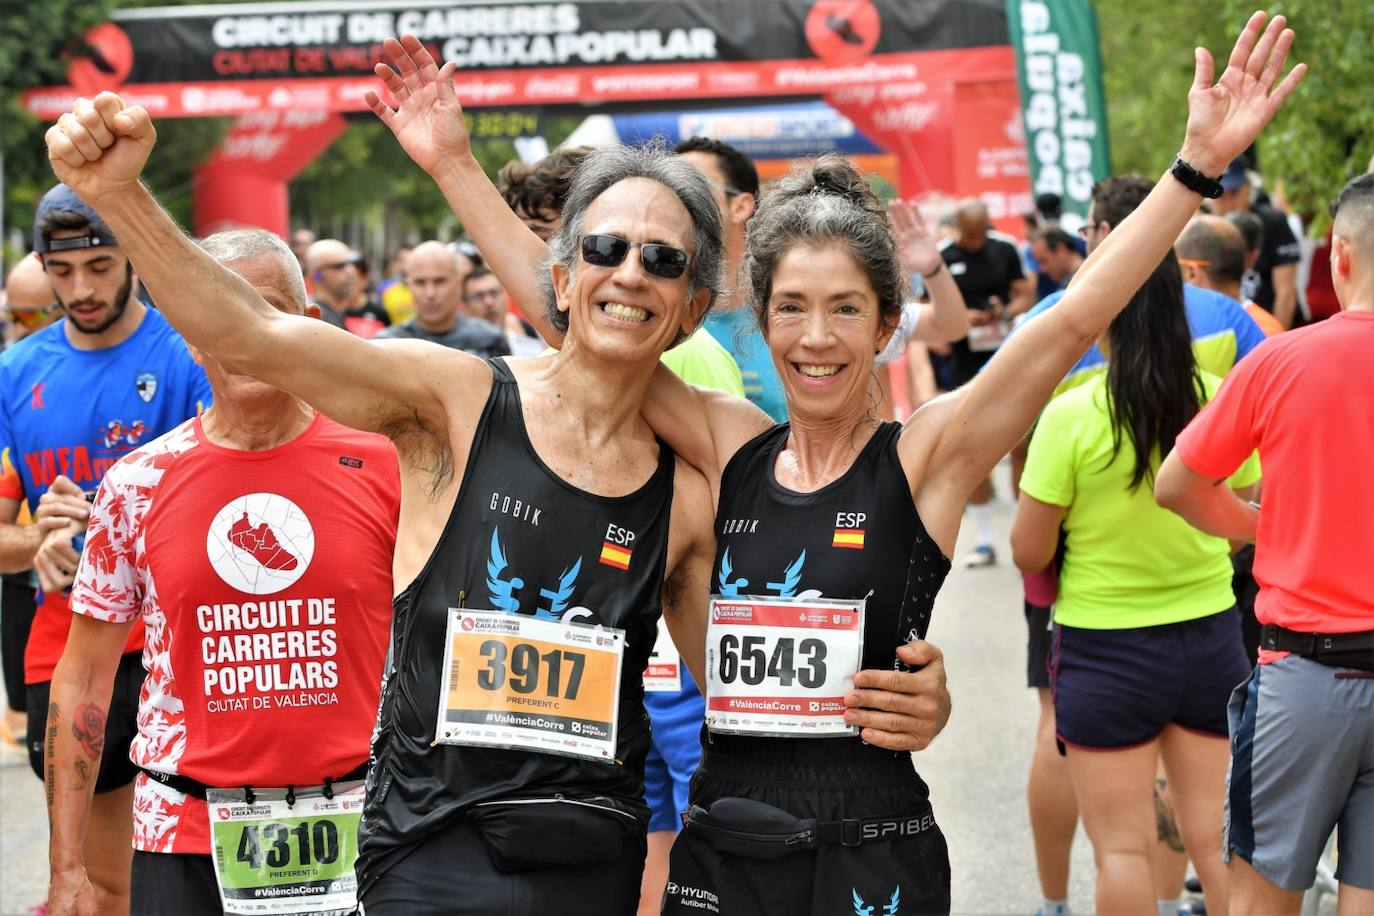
[(824, 201), (608, 166)]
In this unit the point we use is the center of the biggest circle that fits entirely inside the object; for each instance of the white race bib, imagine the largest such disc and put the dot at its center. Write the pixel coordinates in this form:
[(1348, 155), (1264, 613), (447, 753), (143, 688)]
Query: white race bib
[(781, 666), (663, 674), (985, 338)]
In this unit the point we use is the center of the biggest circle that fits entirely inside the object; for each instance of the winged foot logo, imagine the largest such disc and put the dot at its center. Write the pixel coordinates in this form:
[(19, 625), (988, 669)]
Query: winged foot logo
[(862, 908), (502, 590)]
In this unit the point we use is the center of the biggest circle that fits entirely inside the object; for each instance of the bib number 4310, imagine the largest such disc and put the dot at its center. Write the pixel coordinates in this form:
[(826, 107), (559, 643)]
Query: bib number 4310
[(318, 842), (746, 659)]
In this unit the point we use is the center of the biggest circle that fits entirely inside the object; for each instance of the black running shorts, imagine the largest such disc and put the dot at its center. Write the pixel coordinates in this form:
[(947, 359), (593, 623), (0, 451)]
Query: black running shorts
[(452, 873), (173, 884)]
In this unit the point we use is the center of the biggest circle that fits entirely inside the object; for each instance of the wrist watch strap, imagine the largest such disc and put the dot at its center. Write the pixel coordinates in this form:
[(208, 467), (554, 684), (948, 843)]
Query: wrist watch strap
[(1194, 180)]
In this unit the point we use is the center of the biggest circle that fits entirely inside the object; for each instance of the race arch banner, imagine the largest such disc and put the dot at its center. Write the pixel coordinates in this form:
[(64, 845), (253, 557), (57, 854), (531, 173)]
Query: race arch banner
[(903, 72), (234, 58)]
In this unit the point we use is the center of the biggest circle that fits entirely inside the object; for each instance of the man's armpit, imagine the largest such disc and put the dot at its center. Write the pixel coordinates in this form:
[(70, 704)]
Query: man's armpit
[(423, 451)]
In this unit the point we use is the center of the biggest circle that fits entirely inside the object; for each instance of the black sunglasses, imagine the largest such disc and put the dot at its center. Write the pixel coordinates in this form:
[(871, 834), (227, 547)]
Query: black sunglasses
[(660, 260)]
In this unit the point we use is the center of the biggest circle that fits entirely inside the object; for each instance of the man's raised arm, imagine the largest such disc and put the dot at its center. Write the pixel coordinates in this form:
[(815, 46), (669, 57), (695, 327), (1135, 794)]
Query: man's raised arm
[(99, 150), (428, 123)]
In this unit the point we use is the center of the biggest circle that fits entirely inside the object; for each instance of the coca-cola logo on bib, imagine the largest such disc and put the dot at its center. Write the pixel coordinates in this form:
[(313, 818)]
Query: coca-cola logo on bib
[(260, 543)]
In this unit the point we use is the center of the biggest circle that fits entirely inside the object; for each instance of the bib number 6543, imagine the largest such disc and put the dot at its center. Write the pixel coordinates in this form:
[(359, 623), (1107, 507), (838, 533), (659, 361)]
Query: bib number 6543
[(781, 666), (747, 659)]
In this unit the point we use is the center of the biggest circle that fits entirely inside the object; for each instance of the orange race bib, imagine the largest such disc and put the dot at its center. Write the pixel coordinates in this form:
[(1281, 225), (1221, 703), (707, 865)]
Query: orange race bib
[(526, 684)]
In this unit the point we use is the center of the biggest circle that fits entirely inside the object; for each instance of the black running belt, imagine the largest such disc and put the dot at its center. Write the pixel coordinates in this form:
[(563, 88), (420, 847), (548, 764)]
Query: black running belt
[(197, 789)]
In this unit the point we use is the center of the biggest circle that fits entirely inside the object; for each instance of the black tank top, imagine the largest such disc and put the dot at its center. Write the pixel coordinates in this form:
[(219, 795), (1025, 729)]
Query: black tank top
[(522, 540), (856, 535)]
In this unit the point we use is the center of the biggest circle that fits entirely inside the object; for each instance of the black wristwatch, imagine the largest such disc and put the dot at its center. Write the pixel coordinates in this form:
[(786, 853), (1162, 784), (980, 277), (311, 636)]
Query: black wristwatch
[(1194, 180)]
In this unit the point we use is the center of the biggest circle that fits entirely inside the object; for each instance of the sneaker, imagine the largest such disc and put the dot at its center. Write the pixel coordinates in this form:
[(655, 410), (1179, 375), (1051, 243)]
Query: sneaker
[(261, 542), (980, 556)]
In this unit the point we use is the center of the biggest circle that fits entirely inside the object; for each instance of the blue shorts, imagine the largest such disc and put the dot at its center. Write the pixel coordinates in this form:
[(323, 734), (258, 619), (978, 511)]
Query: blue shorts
[(1119, 688), (676, 720)]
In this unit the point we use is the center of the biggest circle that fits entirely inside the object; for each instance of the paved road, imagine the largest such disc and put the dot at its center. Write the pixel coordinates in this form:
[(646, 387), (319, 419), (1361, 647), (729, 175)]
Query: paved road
[(976, 770)]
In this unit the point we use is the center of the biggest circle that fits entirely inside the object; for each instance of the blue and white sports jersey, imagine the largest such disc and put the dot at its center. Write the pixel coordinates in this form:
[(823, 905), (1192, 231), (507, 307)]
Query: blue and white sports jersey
[(1222, 335), (76, 412)]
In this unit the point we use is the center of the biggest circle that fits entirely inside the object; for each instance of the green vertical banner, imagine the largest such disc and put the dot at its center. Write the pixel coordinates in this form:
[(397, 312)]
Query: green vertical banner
[(1059, 71)]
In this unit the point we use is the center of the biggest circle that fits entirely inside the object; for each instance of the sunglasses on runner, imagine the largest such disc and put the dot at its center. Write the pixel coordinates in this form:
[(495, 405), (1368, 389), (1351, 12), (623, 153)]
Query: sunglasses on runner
[(660, 260), (32, 318)]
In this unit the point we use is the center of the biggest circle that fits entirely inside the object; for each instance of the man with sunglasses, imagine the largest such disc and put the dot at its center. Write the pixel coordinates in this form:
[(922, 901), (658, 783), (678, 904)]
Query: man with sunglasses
[(29, 304), (1212, 254), (543, 527), (74, 398), (337, 284)]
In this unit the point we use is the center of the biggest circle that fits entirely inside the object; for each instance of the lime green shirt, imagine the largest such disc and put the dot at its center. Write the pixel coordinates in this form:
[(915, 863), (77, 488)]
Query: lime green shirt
[(701, 360), (1128, 562)]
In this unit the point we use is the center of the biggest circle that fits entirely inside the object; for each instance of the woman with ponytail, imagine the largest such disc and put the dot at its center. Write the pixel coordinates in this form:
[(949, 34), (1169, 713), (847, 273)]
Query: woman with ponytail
[(1147, 636), (836, 506)]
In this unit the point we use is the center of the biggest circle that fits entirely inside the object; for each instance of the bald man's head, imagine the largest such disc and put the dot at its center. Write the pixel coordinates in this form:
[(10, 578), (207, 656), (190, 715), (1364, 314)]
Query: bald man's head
[(1211, 251), (435, 274), (29, 300), (27, 288), (330, 265), (432, 252), (973, 223)]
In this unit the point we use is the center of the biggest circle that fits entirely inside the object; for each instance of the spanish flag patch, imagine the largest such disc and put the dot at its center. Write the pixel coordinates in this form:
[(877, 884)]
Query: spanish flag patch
[(853, 538), (615, 555)]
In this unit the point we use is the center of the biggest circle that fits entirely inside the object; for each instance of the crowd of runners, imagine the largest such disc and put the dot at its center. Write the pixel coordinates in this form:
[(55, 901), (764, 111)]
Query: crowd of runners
[(583, 568)]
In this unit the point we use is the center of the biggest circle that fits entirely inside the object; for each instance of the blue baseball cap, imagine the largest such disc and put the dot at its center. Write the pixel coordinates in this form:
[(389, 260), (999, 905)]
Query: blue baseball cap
[(1234, 176), (61, 198)]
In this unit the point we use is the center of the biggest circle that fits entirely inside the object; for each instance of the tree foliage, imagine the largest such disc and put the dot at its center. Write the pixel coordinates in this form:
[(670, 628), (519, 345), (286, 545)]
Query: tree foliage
[(366, 173), (34, 43), (1324, 135)]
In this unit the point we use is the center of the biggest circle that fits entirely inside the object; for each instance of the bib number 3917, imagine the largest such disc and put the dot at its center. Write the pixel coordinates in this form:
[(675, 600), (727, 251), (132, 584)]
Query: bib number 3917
[(781, 666), (528, 684)]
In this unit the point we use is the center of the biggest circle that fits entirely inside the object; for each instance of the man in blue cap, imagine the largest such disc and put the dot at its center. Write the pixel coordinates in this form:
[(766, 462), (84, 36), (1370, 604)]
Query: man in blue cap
[(1273, 281), (74, 398)]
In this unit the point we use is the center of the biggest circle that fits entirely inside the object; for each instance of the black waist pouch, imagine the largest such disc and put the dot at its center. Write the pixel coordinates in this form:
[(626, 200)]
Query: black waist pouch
[(527, 834), (743, 827)]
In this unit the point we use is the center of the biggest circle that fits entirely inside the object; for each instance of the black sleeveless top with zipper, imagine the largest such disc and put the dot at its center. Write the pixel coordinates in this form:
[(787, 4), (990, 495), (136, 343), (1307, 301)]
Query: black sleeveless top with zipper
[(858, 534), (522, 540)]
